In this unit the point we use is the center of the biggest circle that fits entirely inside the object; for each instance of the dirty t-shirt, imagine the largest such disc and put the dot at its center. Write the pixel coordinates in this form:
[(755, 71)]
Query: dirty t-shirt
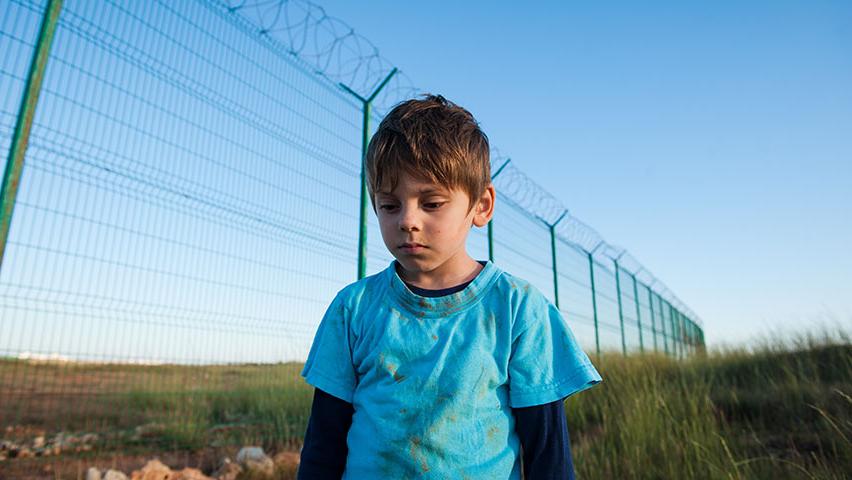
[(433, 380)]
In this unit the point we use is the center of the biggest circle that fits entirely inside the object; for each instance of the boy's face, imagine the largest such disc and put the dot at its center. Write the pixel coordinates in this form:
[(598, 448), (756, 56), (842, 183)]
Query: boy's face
[(425, 226)]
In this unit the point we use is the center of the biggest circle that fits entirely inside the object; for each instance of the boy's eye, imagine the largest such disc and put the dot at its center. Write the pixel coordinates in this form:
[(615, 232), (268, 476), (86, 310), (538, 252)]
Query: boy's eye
[(387, 206), (433, 205)]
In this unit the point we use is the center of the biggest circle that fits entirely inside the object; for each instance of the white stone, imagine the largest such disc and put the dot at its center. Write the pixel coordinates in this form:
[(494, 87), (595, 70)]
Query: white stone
[(114, 475), (93, 474), (253, 458)]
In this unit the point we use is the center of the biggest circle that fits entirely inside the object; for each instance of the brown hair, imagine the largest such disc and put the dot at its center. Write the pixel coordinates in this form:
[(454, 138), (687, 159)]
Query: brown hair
[(433, 139)]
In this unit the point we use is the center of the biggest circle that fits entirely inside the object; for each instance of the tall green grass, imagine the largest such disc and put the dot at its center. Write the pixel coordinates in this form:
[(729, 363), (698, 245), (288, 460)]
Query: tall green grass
[(776, 412)]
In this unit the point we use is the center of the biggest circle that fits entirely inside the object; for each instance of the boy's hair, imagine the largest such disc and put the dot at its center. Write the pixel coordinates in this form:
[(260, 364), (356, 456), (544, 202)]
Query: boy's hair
[(433, 139)]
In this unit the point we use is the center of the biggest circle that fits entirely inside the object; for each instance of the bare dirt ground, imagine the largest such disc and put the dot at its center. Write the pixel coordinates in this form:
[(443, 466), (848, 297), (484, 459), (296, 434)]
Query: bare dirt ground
[(116, 416), (75, 467)]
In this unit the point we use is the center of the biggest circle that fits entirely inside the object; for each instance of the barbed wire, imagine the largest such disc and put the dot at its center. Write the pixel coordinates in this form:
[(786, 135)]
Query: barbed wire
[(328, 45), (332, 49), (579, 233), (525, 193)]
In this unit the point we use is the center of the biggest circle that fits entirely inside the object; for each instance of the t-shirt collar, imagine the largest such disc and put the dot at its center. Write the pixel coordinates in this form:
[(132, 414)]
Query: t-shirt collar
[(427, 307)]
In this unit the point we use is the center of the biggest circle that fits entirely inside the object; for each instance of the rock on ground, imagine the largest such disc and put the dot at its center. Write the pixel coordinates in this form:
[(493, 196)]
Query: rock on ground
[(114, 475), (153, 470), (190, 474), (253, 458), (156, 470), (93, 474)]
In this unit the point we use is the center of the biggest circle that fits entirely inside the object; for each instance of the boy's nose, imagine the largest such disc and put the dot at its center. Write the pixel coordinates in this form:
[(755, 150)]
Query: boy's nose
[(408, 220)]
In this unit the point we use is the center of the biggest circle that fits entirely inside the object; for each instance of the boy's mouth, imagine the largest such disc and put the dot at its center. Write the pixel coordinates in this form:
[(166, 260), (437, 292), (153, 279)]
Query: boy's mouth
[(412, 247)]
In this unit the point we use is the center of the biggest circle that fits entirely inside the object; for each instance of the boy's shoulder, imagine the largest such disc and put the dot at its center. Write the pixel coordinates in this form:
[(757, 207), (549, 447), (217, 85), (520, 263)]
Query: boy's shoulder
[(515, 283), (365, 289), (519, 289), (526, 304)]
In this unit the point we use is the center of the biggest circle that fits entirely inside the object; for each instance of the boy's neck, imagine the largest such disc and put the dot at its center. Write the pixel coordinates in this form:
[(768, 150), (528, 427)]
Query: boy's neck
[(437, 280)]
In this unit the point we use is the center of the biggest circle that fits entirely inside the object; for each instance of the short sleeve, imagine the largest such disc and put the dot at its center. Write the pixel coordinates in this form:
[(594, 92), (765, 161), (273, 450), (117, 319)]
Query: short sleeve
[(546, 363), (329, 365)]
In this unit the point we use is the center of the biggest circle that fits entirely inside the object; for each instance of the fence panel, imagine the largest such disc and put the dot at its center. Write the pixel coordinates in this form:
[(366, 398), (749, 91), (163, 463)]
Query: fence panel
[(575, 293), (188, 208), (522, 245)]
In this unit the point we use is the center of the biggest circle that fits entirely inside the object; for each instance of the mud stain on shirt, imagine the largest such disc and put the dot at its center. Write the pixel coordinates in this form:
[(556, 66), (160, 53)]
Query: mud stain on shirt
[(417, 454)]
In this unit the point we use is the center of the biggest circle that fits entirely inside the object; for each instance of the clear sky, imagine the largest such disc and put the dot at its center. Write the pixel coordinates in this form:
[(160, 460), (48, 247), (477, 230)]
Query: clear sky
[(713, 140)]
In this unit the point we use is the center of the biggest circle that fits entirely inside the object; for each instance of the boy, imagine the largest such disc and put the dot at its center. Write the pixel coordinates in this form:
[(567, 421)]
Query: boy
[(439, 366)]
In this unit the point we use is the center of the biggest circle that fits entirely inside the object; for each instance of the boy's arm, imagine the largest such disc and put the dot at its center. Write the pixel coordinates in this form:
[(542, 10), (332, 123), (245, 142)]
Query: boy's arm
[(544, 439), (324, 451)]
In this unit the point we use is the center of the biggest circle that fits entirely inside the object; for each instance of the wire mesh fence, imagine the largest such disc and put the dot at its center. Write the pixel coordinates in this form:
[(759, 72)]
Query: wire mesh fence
[(189, 205)]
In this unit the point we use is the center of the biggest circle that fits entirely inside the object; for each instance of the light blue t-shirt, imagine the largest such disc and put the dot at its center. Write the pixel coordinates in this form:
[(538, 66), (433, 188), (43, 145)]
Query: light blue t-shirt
[(433, 380)]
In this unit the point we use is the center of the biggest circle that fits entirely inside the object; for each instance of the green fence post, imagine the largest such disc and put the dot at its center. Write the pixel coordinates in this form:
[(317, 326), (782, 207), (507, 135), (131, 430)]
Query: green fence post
[(698, 347), (594, 299), (663, 324), (679, 330), (653, 320), (676, 329), (673, 333), (672, 329), (669, 332), (693, 336), (689, 335), (675, 343), (491, 223), (687, 329), (24, 122), (638, 314), (365, 142), (620, 310), (553, 258)]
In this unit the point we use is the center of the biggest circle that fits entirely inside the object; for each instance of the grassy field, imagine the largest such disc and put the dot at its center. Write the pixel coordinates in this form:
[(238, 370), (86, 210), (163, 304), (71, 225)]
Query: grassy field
[(777, 412), (773, 414)]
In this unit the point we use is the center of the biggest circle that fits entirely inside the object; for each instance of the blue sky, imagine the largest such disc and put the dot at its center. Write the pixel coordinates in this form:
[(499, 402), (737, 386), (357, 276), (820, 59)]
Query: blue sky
[(713, 140), (170, 192)]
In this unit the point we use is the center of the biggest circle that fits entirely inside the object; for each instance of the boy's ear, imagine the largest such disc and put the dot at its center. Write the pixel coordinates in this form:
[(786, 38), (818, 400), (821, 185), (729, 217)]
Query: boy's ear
[(484, 208)]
